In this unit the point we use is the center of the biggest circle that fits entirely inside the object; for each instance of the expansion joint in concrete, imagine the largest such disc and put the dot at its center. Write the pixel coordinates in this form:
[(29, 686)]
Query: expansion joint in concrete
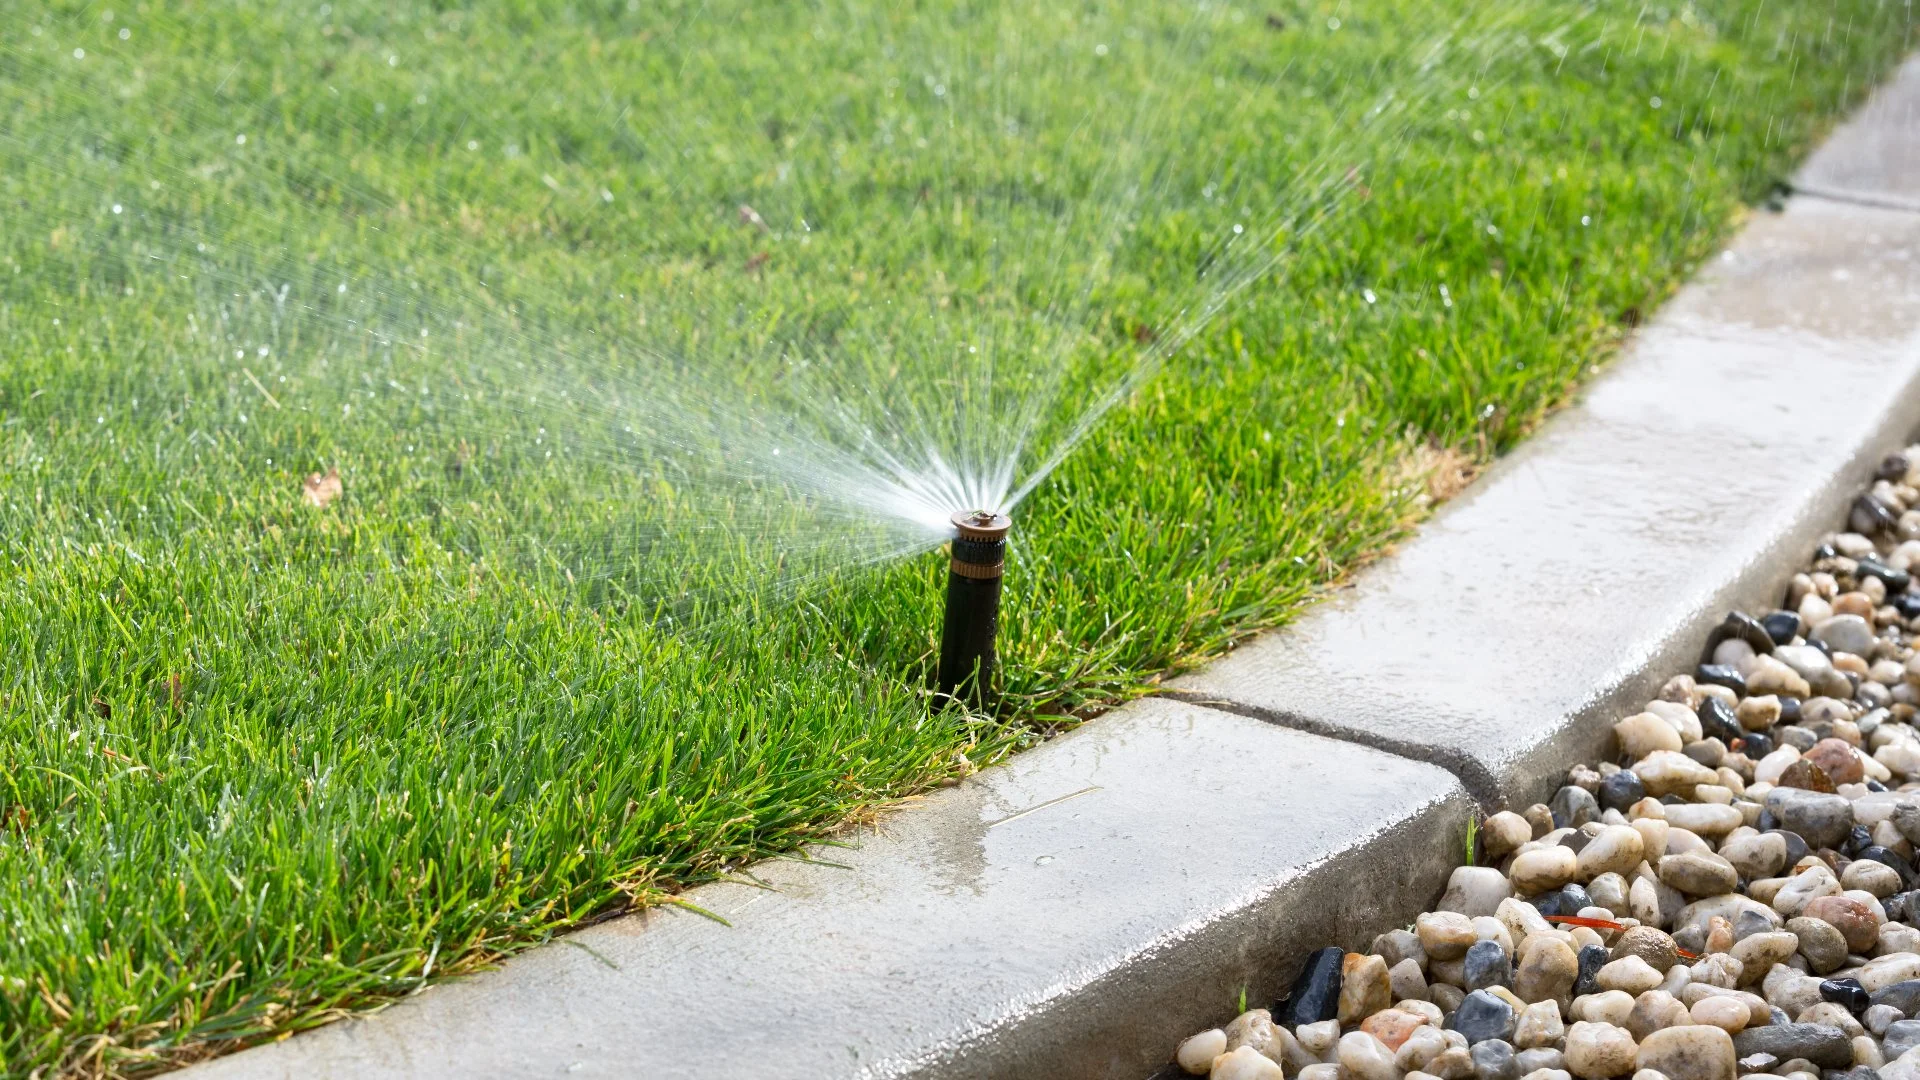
[(1478, 780)]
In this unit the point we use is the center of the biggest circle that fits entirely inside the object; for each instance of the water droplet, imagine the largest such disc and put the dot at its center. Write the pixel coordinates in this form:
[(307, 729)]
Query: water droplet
[(1237, 230), (79, 54), (1654, 101), (1333, 24), (1585, 220), (125, 33), (239, 140), (116, 208), (1099, 50), (1368, 293), (1043, 860)]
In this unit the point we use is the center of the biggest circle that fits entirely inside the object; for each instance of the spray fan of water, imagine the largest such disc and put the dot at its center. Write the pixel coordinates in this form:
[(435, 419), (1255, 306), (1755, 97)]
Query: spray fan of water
[(684, 333)]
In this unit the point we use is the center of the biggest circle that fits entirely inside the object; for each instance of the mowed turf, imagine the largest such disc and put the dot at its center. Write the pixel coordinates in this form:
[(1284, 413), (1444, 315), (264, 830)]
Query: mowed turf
[(263, 761)]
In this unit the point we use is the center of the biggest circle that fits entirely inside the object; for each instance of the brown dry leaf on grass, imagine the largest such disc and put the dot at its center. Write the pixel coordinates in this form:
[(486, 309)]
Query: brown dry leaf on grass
[(322, 488)]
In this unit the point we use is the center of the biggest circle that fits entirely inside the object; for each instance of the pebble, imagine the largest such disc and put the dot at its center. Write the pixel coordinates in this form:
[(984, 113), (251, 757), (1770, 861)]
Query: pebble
[(1596, 1051), (1726, 1013), (1454, 1063), (1256, 1028), (1486, 965), (1756, 854), (1904, 1067), (1761, 951), (1445, 935), (1483, 1016), (1397, 945), (1392, 1027), (1246, 1063), (1542, 870), (1195, 1056), (1839, 760), (1846, 633), (1643, 733), (1364, 987), (1539, 1025), (1318, 1038), (1804, 775), (1758, 713), (1407, 981), (1573, 807), (1475, 890), (1591, 959), (1712, 820), (1802, 889), (1630, 974), (1615, 849), (1831, 1014), (1504, 832), (1742, 627), (1824, 947), (1649, 944), (1855, 920), (1364, 1057), (1721, 675), (1667, 772), (1900, 1037), (1878, 1018), (1548, 970), (1494, 1060), (1827, 1047), (1904, 996), (1620, 790), (1654, 1010), (1315, 995), (1690, 1052), (1699, 873), (1821, 820), (1422, 1045)]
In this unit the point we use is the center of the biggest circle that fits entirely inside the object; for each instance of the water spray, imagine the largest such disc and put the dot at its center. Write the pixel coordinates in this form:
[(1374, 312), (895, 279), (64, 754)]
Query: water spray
[(967, 659)]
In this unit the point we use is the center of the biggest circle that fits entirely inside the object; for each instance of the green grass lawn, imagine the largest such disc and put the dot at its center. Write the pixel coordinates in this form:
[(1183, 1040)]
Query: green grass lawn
[(568, 639)]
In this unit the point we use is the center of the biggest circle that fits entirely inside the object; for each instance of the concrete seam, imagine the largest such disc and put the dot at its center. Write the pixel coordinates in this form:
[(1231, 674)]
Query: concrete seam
[(1478, 780), (1856, 198)]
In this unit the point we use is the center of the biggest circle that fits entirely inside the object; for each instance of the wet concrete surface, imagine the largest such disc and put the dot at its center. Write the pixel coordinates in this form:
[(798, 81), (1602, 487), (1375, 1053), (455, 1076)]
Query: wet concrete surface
[(1874, 158), (1073, 913)]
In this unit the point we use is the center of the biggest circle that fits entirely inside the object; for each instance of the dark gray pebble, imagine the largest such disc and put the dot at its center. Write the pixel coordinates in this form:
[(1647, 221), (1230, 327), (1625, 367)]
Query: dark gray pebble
[(1825, 1046)]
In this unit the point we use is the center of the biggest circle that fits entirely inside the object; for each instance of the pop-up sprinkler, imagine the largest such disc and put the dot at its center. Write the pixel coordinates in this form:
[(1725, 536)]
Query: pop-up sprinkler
[(973, 606)]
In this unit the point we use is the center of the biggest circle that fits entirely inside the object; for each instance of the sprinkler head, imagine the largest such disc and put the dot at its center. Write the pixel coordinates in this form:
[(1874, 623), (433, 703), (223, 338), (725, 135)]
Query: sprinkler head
[(967, 658)]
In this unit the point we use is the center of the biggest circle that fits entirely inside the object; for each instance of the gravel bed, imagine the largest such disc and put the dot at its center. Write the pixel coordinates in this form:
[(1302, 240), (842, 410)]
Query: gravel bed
[(1732, 897)]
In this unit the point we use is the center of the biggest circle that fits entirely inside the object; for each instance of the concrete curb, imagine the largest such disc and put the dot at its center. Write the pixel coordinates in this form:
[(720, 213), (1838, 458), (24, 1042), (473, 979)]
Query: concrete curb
[(1070, 914), (1586, 567), (1075, 912)]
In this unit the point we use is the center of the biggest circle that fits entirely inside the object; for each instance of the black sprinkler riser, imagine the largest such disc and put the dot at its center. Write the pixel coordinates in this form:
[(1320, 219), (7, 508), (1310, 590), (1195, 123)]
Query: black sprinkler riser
[(967, 660)]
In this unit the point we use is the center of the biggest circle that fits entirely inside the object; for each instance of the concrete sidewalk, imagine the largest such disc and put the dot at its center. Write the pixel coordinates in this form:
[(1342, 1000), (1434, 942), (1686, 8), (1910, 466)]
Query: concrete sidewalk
[(1077, 911)]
